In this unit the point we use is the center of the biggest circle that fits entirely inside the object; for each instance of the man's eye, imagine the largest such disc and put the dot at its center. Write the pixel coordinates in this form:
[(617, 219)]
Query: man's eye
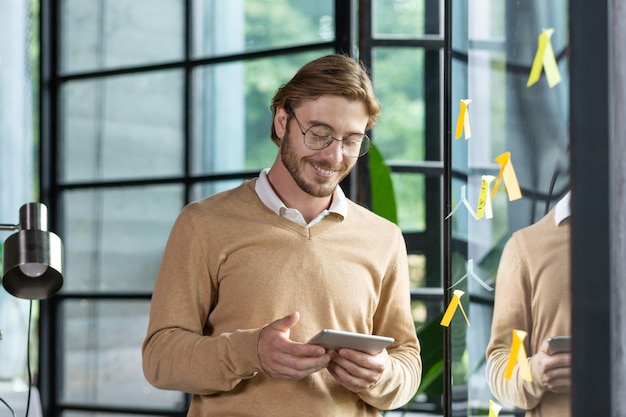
[(320, 137), (320, 134)]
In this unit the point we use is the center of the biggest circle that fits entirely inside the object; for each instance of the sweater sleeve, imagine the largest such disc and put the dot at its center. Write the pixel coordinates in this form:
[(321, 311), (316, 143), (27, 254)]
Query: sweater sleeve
[(402, 377), (177, 353), (512, 312)]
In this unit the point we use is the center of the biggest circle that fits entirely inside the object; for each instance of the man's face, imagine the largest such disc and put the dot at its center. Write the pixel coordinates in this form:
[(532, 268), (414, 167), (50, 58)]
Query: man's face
[(317, 172)]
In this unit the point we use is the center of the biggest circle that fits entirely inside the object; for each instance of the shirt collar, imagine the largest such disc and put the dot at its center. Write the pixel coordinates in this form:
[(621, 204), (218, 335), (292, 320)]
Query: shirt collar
[(562, 209), (269, 197)]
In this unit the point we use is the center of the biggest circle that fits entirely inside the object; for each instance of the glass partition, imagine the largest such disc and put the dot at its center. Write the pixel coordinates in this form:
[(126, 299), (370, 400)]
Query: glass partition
[(497, 115)]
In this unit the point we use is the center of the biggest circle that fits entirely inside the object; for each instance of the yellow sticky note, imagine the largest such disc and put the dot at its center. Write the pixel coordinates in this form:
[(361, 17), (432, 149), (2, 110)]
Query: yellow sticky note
[(507, 172), (494, 409), (484, 198), (518, 356), (454, 303), (544, 59), (462, 122)]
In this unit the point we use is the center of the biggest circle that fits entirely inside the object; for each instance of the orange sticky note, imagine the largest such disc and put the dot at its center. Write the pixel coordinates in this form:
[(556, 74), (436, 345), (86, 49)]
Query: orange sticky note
[(454, 303), (462, 121), (544, 59), (518, 356), (494, 409), (484, 198), (507, 172)]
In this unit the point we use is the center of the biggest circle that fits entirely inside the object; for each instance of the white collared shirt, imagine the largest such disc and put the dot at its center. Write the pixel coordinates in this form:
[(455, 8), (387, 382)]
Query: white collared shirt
[(562, 210), (269, 197)]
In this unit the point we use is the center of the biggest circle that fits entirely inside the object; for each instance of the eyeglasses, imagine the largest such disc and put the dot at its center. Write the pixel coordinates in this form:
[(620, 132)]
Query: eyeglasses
[(318, 137)]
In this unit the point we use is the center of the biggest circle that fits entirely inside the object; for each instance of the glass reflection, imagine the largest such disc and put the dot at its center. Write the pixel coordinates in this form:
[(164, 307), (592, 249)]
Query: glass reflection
[(494, 44)]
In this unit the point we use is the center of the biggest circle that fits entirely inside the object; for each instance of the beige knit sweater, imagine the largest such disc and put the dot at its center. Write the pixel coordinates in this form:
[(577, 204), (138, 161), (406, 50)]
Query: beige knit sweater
[(532, 294), (231, 266)]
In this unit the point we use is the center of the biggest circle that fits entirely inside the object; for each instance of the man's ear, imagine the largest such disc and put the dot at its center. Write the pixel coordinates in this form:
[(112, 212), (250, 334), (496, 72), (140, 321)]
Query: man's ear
[(280, 122)]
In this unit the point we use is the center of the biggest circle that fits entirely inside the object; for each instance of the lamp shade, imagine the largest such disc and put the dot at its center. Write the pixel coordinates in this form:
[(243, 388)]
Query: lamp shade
[(32, 257)]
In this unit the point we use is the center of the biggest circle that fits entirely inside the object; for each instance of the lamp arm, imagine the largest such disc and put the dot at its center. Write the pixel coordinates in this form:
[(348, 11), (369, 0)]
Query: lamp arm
[(9, 227)]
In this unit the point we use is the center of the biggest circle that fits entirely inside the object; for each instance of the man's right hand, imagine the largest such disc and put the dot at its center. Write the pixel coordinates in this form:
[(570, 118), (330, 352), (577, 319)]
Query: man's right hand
[(555, 370), (282, 358)]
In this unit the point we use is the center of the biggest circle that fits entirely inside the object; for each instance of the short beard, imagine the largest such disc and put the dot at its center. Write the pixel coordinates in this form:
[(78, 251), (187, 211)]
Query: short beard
[(292, 163)]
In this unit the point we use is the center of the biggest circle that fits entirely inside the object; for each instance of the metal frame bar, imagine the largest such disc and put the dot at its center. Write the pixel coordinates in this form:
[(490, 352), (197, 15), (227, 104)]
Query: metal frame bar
[(447, 201), (591, 223)]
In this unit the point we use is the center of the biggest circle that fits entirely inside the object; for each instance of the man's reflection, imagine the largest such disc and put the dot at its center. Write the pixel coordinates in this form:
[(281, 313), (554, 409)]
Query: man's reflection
[(533, 295)]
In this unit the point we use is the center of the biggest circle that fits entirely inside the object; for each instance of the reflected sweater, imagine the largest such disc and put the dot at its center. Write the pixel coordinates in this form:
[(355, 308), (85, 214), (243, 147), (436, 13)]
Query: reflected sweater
[(231, 266), (532, 294)]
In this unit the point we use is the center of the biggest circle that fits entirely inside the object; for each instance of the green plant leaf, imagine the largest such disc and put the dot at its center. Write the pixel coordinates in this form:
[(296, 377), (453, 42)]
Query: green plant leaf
[(431, 339), (383, 197)]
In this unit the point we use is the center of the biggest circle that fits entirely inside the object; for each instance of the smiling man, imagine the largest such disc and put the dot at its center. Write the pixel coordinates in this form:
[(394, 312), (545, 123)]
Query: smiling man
[(251, 274)]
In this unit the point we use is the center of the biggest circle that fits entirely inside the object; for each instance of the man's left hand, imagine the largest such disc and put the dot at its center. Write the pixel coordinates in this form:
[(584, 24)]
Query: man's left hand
[(355, 370)]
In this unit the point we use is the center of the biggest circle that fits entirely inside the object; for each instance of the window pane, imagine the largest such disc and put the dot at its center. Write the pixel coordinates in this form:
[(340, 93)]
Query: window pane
[(105, 34), (232, 116), (227, 27), (114, 238), (402, 17), (122, 127), (399, 84), (101, 349), (410, 192)]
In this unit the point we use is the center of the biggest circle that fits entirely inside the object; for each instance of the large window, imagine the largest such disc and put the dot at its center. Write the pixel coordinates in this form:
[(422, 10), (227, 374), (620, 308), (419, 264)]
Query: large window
[(150, 104)]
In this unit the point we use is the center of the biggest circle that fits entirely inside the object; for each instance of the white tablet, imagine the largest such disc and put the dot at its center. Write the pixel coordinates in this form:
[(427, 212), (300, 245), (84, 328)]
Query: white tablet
[(336, 339)]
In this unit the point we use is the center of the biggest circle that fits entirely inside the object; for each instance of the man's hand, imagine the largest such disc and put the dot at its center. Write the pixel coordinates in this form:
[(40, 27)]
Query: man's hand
[(555, 370), (355, 370), (282, 358)]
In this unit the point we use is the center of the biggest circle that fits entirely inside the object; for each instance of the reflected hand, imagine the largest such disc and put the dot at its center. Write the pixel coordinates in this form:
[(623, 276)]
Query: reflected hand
[(555, 370), (282, 358), (355, 370)]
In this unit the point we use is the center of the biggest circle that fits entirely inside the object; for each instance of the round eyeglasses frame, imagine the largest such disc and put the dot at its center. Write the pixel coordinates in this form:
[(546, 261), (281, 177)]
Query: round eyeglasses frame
[(316, 141)]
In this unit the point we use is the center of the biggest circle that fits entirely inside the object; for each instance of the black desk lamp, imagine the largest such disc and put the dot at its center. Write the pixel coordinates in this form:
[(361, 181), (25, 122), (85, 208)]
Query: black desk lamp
[(32, 257)]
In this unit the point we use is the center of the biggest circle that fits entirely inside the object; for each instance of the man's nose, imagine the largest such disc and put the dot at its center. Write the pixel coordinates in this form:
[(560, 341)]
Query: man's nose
[(334, 151)]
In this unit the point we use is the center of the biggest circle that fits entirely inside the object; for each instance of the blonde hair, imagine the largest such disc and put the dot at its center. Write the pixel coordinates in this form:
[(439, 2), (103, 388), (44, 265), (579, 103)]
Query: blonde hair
[(330, 75)]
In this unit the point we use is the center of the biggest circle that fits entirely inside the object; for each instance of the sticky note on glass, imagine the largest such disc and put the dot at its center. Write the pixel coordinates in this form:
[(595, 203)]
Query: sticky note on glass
[(494, 409), (454, 304), (462, 122), (484, 198), (507, 173), (518, 356), (544, 59)]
